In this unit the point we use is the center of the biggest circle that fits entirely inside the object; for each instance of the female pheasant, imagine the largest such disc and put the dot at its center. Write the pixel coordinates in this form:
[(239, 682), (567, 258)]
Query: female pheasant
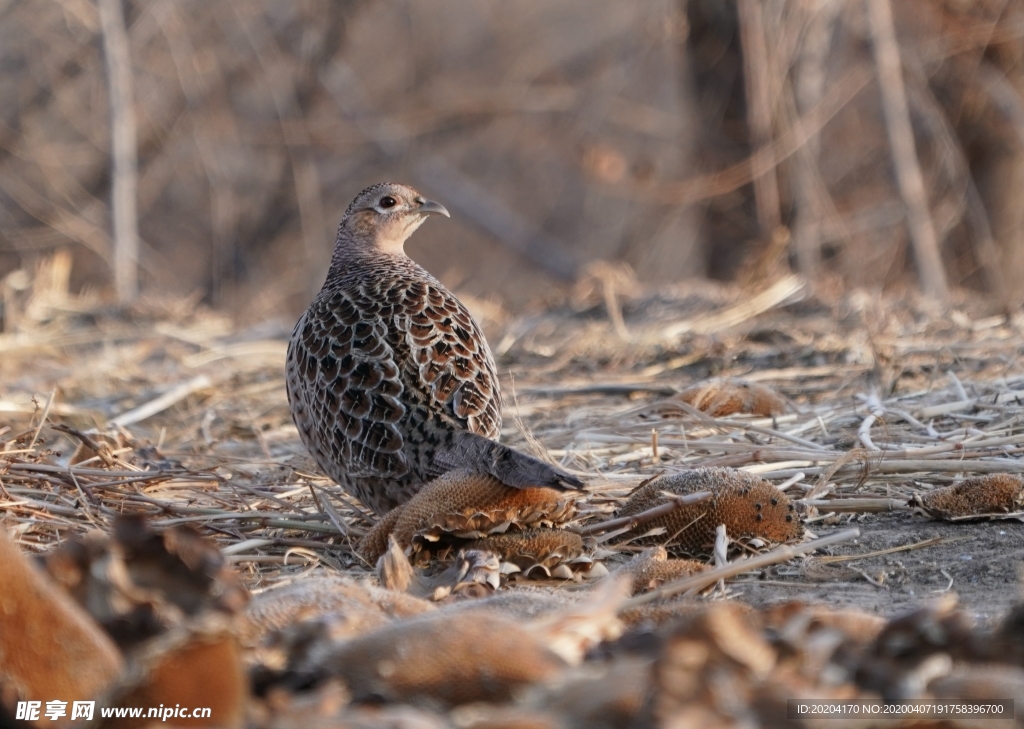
[(390, 380)]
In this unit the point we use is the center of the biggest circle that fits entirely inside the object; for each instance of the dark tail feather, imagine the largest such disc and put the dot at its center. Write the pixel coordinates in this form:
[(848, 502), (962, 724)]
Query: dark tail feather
[(512, 468)]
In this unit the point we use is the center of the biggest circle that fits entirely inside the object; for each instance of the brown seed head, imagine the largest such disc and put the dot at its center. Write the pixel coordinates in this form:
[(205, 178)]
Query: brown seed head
[(359, 606), (997, 493), (720, 397), (466, 505), (747, 505), (536, 548), (439, 659), (652, 568)]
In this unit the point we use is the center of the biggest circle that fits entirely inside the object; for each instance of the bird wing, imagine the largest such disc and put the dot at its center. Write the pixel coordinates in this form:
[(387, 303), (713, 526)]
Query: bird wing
[(346, 387), (453, 365), (511, 467)]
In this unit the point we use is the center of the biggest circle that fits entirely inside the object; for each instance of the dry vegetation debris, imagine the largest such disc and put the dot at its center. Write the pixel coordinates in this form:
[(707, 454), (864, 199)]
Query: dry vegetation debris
[(334, 651), (163, 411)]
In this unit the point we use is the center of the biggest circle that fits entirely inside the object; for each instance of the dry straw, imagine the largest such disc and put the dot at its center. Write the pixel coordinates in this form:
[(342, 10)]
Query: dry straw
[(170, 413)]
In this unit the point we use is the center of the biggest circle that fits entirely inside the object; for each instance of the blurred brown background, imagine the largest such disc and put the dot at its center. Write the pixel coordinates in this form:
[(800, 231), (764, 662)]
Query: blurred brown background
[(700, 138)]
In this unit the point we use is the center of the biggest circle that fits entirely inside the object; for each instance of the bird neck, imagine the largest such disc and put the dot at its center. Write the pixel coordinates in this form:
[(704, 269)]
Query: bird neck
[(357, 235), (356, 252)]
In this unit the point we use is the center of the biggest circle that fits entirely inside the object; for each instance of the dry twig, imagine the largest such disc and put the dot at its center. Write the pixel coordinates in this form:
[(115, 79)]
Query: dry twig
[(904, 156), (123, 149)]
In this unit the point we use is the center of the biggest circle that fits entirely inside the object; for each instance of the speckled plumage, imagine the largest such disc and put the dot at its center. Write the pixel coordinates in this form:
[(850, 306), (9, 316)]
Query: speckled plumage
[(390, 380)]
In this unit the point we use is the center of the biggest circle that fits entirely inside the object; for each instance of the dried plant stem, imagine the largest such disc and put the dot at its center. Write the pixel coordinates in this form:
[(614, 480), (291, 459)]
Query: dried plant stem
[(892, 550), (699, 581), (169, 398), (631, 522), (904, 156), (864, 431), (123, 149), (858, 505), (773, 296), (42, 419)]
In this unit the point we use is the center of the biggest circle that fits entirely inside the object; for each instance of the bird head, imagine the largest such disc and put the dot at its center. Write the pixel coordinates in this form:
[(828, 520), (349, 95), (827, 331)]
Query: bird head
[(385, 215)]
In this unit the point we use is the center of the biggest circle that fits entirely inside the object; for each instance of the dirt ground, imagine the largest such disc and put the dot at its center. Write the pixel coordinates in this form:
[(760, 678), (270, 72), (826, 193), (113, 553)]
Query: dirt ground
[(981, 563), (886, 397)]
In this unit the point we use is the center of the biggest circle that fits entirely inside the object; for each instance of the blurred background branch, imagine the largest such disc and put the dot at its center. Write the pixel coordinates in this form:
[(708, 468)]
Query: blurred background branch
[(679, 138), (124, 185), (904, 156)]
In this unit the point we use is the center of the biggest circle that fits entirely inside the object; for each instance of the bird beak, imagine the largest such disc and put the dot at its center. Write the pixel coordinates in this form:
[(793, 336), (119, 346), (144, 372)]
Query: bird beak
[(429, 206)]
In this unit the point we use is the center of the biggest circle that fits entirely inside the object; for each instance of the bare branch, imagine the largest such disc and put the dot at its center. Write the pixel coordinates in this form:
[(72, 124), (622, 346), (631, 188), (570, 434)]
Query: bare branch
[(904, 155), (757, 69), (123, 149)]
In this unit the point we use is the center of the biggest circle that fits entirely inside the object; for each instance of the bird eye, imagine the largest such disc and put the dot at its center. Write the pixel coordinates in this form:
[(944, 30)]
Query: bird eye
[(388, 202)]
